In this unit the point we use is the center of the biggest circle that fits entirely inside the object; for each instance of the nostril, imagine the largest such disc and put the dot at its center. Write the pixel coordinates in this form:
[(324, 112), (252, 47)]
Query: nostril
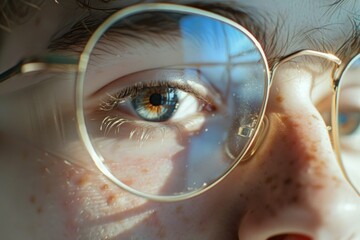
[(289, 237)]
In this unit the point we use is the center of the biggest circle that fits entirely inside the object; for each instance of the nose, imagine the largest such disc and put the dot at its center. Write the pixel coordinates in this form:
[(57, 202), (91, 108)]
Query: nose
[(297, 191)]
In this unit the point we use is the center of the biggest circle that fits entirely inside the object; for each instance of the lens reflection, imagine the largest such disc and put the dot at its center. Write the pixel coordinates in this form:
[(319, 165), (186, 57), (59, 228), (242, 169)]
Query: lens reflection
[(221, 81), (349, 121)]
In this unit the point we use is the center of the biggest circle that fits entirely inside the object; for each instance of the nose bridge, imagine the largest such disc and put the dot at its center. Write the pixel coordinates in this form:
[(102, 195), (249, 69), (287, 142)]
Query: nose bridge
[(330, 57), (298, 125)]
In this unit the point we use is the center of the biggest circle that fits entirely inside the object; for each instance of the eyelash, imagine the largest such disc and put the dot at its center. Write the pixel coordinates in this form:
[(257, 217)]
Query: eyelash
[(113, 99), (142, 129)]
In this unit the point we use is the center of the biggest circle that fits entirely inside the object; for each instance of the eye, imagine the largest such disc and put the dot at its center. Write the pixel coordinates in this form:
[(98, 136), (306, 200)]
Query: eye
[(349, 116), (172, 100), (161, 102), (156, 104), (349, 123)]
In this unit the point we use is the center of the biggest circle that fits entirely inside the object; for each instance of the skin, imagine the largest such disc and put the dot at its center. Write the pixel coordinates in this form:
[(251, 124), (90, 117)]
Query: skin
[(292, 186)]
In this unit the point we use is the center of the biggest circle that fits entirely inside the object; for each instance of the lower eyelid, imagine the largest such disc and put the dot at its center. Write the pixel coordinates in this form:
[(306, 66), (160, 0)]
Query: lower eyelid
[(122, 128)]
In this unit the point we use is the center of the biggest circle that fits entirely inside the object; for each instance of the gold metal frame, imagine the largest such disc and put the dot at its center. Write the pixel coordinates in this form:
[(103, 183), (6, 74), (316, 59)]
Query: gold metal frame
[(84, 59), (52, 63), (337, 76), (68, 64)]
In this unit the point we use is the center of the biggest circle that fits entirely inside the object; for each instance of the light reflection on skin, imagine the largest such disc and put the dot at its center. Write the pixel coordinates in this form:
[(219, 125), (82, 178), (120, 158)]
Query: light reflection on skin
[(293, 184)]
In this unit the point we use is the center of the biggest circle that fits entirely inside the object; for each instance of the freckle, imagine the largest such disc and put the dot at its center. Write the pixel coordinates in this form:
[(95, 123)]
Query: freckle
[(294, 142), (318, 186), (128, 182), (111, 199), (270, 210), (39, 210), (294, 199), (244, 197), (144, 170), (274, 187), (269, 179), (279, 98), (288, 181), (32, 199), (291, 162), (82, 180), (104, 187), (309, 156), (179, 209), (285, 119), (314, 116)]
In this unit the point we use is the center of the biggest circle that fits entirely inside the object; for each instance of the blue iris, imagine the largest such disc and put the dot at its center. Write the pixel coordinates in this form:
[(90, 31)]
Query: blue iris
[(349, 122), (155, 104)]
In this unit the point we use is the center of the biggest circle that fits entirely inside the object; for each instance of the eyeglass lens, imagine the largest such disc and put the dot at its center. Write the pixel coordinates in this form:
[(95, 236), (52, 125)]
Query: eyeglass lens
[(172, 99), (349, 121)]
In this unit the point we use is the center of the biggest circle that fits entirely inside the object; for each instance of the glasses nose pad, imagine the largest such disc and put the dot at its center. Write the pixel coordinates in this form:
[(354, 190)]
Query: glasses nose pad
[(258, 140)]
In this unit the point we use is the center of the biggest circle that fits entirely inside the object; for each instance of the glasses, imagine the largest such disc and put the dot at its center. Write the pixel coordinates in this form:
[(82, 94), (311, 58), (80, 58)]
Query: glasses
[(166, 108)]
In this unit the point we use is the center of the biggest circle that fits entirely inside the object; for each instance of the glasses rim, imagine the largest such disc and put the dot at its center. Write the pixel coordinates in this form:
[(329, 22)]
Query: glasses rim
[(335, 120), (83, 63), (70, 63)]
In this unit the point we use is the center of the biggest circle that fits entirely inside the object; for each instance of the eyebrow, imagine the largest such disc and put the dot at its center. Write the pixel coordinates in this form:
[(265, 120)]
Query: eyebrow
[(78, 35), (76, 38)]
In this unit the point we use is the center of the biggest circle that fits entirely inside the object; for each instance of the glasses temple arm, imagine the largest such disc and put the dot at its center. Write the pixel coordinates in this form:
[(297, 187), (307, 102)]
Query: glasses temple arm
[(33, 64)]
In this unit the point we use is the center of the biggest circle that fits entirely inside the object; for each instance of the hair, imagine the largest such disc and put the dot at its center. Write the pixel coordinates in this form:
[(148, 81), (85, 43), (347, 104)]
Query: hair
[(15, 12)]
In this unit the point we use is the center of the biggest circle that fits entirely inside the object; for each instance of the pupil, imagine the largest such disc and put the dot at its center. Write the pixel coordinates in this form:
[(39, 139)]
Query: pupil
[(156, 99)]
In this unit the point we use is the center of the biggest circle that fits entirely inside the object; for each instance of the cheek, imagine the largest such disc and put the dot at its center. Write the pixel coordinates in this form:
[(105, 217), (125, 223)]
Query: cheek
[(31, 194), (149, 166), (56, 197), (96, 207), (151, 162)]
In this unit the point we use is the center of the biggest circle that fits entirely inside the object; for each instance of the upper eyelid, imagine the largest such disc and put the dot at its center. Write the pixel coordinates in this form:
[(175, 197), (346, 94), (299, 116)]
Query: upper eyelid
[(183, 86), (191, 81)]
